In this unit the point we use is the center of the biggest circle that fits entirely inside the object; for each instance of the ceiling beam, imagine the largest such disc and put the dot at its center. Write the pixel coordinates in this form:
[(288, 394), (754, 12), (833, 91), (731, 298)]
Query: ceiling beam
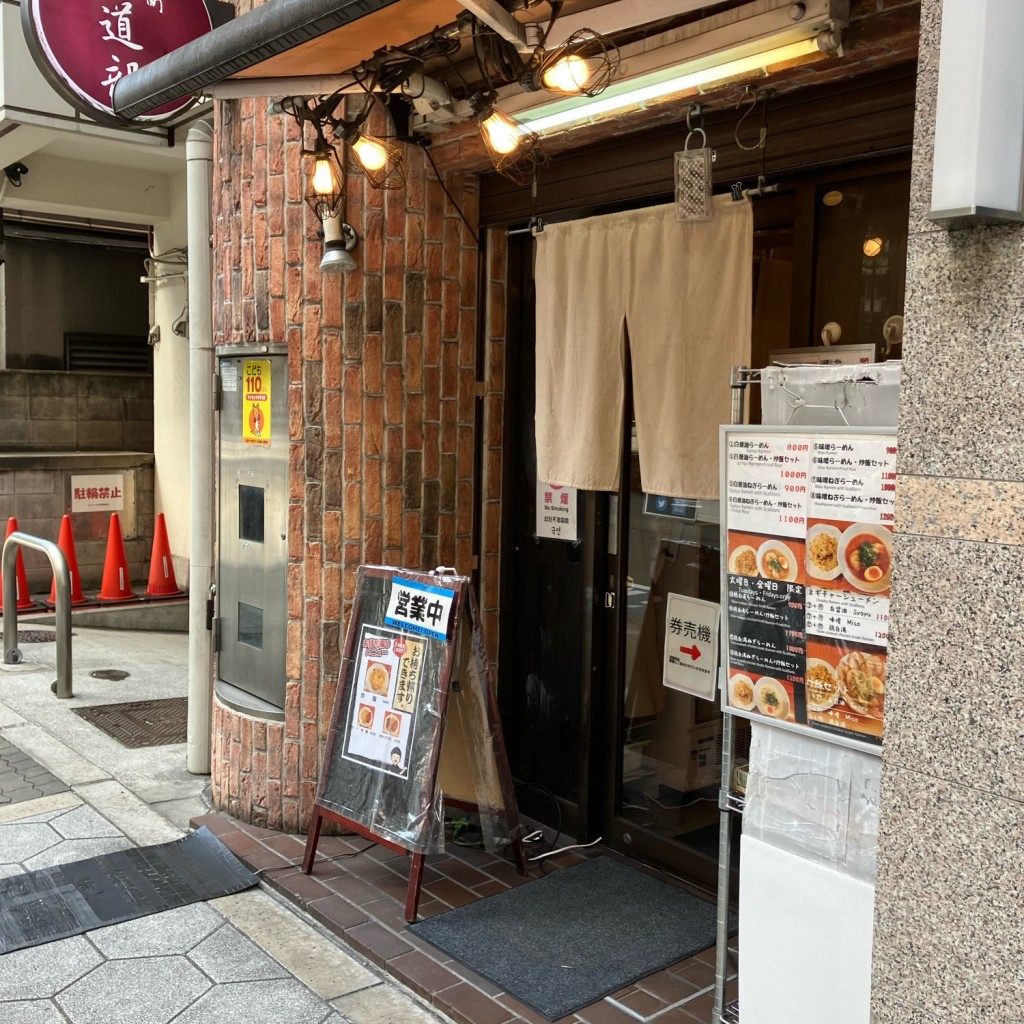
[(620, 16), (494, 16)]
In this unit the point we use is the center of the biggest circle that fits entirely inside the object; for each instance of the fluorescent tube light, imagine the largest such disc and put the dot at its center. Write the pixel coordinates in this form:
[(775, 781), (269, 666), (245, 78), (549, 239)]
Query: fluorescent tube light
[(637, 92)]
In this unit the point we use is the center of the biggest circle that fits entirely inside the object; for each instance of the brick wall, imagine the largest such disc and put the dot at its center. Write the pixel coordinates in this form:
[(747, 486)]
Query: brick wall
[(382, 413)]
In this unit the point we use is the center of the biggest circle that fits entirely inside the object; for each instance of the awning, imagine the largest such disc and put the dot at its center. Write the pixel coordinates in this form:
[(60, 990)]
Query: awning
[(282, 39)]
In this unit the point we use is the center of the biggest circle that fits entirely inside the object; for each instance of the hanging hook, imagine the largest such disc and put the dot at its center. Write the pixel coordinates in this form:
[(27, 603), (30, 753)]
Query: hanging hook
[(754, 97), (696, 110)]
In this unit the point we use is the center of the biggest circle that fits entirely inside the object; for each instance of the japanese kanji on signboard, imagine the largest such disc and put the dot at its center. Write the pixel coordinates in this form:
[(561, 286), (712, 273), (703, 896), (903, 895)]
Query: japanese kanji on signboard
[(84, 48), (808, 562), (556, 512), (691, 645), (415, 723), (257, 388)]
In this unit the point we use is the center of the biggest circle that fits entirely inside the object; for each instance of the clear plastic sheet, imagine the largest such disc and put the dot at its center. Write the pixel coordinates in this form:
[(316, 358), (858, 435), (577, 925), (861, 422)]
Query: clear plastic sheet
[(860, 396), (814, 799), (474, 768), (399, 692)]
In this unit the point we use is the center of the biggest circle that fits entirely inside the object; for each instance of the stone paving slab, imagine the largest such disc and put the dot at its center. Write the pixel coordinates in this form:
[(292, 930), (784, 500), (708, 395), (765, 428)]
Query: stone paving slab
[(23, 778), (192, 965), (187, 964)]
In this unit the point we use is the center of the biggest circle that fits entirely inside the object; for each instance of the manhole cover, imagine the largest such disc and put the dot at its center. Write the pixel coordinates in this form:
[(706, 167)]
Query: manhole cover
[(142, 723), (36, 636), (113, 674)]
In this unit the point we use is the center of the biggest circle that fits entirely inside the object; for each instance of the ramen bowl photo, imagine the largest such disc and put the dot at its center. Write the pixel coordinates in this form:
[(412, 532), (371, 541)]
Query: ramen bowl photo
[(771, 698), (862, 679), (776, 561), (865, 553), (741, 692), (378, 678)]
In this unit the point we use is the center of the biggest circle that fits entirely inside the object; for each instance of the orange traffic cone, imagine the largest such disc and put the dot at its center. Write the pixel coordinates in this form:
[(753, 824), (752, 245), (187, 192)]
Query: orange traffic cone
[(116, 584), (21, 580), (161, 569), (66, 542)]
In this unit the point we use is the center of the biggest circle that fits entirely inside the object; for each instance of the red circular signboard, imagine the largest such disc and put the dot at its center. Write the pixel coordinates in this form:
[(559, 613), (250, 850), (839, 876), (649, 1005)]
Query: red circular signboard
[(86, 46)]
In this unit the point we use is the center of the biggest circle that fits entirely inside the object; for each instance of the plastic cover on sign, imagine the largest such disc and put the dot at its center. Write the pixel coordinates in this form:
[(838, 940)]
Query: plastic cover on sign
[(386, 751), (814, 799), (864, 395), (472, 769)]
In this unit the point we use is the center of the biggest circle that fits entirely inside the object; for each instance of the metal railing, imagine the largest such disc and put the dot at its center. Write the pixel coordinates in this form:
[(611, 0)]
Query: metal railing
[(62, 576)]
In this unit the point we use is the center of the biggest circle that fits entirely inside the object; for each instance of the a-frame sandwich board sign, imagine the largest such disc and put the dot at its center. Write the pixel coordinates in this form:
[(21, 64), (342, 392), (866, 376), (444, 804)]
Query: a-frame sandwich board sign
[(415, 724)]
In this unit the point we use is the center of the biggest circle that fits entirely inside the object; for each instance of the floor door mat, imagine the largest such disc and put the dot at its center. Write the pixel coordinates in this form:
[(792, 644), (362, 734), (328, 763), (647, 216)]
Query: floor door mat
[(575, 936), (69, 899), (142, 723)]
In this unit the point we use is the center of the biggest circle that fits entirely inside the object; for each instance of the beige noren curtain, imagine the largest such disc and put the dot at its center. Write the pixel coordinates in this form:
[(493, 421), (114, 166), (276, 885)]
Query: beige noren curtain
[(684, 292)]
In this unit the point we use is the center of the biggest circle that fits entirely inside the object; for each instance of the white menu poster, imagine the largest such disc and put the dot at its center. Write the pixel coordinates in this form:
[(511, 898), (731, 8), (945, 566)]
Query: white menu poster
[(808, 550)]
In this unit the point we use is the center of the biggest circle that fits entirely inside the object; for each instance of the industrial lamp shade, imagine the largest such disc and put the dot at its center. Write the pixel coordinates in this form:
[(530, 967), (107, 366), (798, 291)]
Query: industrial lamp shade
[(514, 150), (381, 161), (979, 116), (339, 241), (325, 181), (584, 65)]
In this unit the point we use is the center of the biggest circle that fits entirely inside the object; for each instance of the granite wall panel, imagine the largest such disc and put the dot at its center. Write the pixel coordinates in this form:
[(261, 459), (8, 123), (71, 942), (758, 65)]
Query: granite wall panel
[(948, 940), (949, 891)]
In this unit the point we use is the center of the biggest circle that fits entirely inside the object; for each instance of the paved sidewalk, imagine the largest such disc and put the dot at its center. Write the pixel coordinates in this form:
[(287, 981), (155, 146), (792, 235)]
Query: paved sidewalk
[(21, 778), (243, 959)]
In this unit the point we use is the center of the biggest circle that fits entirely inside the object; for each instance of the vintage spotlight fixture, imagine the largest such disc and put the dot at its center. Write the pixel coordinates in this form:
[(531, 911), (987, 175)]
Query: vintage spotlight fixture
[(339, 241), (325, 183)]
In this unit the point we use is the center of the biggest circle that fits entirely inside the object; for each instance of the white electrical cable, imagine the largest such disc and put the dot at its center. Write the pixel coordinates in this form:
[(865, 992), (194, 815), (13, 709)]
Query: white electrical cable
[(563, 849)]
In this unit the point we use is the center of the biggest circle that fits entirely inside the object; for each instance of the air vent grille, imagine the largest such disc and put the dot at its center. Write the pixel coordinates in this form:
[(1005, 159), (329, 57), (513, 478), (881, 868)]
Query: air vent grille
[(107, 353)]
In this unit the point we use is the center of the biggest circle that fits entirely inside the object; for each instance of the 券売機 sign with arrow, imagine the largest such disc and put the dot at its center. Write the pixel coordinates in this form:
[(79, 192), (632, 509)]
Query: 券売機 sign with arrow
[(691, 646)]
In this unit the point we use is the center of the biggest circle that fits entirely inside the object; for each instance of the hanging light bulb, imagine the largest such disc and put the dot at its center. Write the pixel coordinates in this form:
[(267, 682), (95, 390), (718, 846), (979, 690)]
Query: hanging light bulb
[(322, 181), (502, 133), (381, 161), (567, 75), (370, 153), (584, 64), (325, 187), (514, 150)]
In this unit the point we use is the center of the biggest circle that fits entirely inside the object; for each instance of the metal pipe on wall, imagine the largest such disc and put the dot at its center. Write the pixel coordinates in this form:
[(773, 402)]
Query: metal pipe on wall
[(199, 163)]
